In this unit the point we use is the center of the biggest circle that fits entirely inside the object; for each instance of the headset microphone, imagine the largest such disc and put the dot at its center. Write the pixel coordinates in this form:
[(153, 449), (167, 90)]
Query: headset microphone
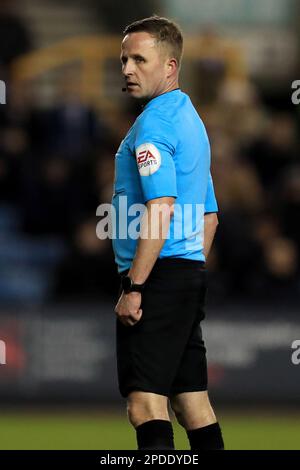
[(124, 89)]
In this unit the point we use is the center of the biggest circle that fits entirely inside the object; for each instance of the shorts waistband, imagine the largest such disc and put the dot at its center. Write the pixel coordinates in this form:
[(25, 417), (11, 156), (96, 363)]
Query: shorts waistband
[(173, 263), (179, 261)]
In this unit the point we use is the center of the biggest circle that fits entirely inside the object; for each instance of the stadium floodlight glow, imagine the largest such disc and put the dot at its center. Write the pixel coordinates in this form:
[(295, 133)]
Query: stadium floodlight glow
[(2, 353), (2, 92)]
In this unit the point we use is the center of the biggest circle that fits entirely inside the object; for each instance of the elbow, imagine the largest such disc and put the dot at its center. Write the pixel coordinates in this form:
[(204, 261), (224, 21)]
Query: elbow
[(212, 220), (216, 221)]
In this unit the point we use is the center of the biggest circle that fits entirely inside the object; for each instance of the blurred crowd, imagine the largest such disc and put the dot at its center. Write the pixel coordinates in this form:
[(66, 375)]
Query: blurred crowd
[(57, 166), (256, 170)]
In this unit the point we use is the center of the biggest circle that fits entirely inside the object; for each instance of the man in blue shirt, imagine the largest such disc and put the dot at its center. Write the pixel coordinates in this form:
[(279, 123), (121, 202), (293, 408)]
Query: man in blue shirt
[(163, 173)]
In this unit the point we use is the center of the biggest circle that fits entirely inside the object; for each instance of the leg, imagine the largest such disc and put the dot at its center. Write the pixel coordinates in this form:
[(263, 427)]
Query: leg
[(148, 413), (144, 406), (194, 412), (150, 353)]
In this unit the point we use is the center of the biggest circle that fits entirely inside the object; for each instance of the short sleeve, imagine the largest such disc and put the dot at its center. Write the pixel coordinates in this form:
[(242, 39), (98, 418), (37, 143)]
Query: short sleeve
[(155, 144), (210, 201)]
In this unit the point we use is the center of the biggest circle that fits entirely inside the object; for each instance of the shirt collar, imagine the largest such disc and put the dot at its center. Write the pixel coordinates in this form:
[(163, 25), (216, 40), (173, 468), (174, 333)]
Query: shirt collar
[(159, 97)]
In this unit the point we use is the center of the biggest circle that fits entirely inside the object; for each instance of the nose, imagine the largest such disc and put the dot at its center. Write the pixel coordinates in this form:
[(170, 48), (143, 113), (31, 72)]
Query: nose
[(128, 69)]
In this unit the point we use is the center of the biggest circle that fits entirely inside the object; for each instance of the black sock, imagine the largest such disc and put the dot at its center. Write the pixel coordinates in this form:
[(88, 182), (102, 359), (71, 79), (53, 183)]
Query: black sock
[(155, 434), (206, 438)]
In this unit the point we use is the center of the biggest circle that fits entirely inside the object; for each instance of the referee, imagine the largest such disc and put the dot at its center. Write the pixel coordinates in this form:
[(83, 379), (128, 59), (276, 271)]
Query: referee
[(163, 163)]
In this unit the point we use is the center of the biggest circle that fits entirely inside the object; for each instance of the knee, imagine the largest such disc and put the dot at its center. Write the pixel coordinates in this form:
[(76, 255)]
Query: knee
[(140, 410), (136, 412), (193, 410)]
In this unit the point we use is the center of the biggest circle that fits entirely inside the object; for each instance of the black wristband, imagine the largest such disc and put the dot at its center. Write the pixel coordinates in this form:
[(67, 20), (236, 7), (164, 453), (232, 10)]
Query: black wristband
[(129, 286)]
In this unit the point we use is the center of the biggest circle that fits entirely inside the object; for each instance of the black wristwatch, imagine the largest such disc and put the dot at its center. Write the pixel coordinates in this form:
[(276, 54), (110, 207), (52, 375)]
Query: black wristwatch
[(129, 286)]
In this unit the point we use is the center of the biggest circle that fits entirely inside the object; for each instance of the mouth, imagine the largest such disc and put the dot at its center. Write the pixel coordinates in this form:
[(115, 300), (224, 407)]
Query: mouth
[(131, 85)]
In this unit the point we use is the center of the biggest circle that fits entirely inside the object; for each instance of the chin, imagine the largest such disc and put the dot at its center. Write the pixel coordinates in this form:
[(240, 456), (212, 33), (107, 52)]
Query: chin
[(135, 94)]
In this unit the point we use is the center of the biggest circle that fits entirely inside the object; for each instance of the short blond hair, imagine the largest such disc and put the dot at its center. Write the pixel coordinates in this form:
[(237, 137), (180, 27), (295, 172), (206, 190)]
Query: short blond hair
[(165, 32)]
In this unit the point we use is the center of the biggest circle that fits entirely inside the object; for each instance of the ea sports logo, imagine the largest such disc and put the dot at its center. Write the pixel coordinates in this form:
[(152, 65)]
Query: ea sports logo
[(148, 159)]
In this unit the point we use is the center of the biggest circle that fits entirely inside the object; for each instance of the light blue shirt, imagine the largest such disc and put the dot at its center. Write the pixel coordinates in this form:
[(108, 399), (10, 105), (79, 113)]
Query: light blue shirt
[(165, 153)]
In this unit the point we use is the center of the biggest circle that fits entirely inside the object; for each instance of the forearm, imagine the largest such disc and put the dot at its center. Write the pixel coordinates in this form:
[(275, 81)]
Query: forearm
[(210, 226), (144, 260), (154, 230)]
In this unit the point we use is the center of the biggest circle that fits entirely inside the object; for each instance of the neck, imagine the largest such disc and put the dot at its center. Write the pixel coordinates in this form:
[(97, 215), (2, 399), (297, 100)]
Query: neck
[(171, 86)]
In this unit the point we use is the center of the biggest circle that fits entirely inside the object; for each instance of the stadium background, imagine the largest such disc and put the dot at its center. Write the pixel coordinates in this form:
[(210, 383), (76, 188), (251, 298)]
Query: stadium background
[(59, 130)]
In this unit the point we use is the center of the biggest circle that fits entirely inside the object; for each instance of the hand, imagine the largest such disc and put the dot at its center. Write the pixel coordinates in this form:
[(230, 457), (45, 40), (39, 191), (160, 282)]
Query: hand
[(128, 308)]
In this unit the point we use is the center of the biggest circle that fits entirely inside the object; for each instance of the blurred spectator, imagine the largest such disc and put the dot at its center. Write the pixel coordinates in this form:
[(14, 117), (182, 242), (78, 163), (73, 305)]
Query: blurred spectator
[(210, 68), (281, 270), (51, 203), (275, 150), (22, 114), (88, 272), (114, 16), (15, 141), (104, 177), (237, 186), (15, 38), (5, 178), (73, 129), (289, 203)]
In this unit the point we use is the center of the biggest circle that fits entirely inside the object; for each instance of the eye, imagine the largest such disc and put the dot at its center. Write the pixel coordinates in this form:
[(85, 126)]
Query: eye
[(139, 59)]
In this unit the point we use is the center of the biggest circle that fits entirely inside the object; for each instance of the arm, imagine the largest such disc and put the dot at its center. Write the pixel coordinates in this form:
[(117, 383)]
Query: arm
[(210, 216), (154, 229), (155, 137), (210, 225)]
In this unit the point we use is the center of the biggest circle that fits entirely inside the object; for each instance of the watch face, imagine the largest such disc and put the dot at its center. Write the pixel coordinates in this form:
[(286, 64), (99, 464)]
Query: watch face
[(126, 283)]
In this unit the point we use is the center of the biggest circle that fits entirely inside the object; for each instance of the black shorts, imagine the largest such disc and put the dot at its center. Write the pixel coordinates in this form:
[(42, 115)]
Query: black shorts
[(164, 352)]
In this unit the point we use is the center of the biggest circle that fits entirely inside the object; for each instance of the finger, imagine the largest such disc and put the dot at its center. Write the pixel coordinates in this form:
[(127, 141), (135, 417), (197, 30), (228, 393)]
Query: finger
[(127, 321), (136, 319), (136, 315), (132, 320)]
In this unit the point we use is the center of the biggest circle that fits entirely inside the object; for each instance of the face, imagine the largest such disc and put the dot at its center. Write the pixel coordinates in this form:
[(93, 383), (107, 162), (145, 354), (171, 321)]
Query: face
[(145, 66)]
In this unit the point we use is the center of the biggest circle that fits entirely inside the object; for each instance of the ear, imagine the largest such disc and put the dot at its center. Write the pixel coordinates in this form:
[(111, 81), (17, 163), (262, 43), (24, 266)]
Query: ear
[(172, 66)]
